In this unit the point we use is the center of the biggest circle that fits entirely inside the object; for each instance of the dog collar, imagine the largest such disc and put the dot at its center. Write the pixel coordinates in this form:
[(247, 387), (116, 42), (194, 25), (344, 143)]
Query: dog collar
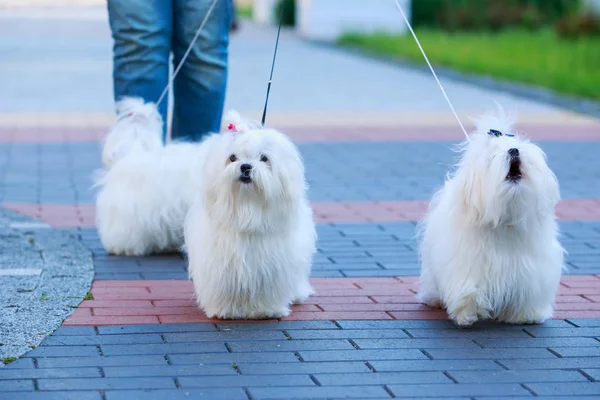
[(496, 133)]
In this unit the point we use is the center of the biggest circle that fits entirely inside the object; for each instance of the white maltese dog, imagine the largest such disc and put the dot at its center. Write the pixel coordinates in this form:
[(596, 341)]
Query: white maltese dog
[(489, 246), (250, 236), (146, 188)]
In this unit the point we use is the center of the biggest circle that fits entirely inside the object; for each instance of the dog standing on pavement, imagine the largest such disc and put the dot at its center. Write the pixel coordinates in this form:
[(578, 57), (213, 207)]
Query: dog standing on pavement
[(146, 188), (250, 236), (489, 245)]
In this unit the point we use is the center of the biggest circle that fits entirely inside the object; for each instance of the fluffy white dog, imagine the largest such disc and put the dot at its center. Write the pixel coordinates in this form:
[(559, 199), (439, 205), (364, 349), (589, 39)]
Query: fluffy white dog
[(146, 188), (489, 246), (250, 236)]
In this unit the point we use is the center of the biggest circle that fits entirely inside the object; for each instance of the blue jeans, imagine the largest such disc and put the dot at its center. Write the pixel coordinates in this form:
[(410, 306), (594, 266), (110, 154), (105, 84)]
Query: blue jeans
[(146, 32)]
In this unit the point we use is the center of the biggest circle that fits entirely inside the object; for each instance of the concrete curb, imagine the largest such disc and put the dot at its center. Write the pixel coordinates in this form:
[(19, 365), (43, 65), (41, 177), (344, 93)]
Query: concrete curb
[(46, 273)]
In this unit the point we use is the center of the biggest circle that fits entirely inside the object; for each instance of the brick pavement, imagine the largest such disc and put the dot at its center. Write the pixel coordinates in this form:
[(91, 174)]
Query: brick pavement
[(371, 172), (363, 335)]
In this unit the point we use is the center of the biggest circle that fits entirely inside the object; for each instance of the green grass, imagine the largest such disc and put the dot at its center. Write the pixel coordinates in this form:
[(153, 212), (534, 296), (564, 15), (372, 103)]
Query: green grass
[(244, 11), (88, 296), (8, 360), (537, 58)]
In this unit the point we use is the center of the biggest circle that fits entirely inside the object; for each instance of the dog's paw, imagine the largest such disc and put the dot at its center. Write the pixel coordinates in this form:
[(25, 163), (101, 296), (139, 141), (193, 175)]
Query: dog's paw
[(465, 319), (431, 301), (531, 317)]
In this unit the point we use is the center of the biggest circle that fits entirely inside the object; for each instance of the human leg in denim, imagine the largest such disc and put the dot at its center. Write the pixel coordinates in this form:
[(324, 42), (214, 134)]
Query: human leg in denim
[(199, 88), (142, 31)]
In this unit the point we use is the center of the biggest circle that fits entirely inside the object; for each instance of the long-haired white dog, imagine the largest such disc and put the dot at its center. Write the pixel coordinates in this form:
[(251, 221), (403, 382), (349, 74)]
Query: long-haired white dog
[(146, 188), (250, 236), (489, 246)]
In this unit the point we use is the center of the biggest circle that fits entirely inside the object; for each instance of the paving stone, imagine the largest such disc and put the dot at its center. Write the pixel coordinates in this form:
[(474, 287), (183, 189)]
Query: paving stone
[(347, 334), (58, 351), (415, 343), (74, 330), (395, 324), (100, 361), (6, 373), (16, 385), (473, 390), (381, 378), (517, 376), (563, 332), (22, 363), (158, 328), (435, 365), (163, 348), (224, 336), (550, 363), (169, 370), (70, 395), (106, 383), (466, 333), (289, 345), (216, 394), (103, 339), (283, 325), (362, 355), (594, 373), (246, 381), (230, 358), (318, 392), (494, 353), (302, 368), (538, 342), (567, 389), (578, 351)]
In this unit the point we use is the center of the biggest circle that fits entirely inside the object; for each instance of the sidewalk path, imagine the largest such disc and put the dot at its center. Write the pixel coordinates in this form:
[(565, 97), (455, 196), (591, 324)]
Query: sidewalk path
[(376, 140)]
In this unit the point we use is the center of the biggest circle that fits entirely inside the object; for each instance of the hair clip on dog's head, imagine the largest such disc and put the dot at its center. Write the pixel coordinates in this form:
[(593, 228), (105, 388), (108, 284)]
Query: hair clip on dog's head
[(496, 133)]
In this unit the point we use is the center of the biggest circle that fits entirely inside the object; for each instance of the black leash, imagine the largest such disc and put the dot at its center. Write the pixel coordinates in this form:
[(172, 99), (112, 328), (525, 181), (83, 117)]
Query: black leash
[(264, 116)]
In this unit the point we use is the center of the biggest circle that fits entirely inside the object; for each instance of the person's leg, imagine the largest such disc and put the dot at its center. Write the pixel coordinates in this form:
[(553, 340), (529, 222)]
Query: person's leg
[(199, 88), (142, 32)]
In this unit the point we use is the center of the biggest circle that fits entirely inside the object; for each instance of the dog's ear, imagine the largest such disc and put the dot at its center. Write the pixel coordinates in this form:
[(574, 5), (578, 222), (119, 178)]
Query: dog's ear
[(469, 190)]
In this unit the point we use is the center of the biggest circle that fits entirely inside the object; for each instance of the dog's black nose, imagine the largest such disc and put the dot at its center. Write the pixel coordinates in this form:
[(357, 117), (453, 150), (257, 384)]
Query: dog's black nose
[(246, 168), (513, 152)]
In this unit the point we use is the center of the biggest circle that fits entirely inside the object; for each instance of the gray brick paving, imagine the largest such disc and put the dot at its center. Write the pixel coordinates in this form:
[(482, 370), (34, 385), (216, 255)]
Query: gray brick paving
[(319, 392), (210, 394), (350, 358), (439, 390), (106, 383), (71, 395), (566, 389), (345, 250)]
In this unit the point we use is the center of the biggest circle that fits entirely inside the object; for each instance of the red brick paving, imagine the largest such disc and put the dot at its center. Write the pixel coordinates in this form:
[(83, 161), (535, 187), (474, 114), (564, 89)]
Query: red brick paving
[(51, 134), (559, 132), (65, 216), (58, 215), (153, 302)]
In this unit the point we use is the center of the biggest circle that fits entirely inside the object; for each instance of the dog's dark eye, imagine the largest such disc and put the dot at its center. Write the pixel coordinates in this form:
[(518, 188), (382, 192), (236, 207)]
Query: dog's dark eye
[(264, 158), (233, 158)]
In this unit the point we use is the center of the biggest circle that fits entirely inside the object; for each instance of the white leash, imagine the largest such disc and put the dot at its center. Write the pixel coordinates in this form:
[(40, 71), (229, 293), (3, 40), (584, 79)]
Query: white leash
[(431, 68), (187, 53)]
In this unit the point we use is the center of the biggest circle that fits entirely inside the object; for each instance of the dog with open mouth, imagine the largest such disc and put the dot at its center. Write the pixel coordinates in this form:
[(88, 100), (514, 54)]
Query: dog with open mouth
[(489, 242), (250, 235)]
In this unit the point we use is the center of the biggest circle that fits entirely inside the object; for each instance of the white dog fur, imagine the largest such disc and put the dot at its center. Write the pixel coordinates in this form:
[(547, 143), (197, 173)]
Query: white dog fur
[(489, 244), (146, 188), (250, 244)]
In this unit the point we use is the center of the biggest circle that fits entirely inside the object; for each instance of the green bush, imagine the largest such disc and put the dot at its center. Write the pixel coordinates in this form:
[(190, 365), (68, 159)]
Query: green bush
[(489, 15), (289, 12)]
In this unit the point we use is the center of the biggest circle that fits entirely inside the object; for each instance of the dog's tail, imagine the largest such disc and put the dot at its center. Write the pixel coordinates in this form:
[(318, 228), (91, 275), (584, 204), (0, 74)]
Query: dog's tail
[(138, 126), (498, 119)]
